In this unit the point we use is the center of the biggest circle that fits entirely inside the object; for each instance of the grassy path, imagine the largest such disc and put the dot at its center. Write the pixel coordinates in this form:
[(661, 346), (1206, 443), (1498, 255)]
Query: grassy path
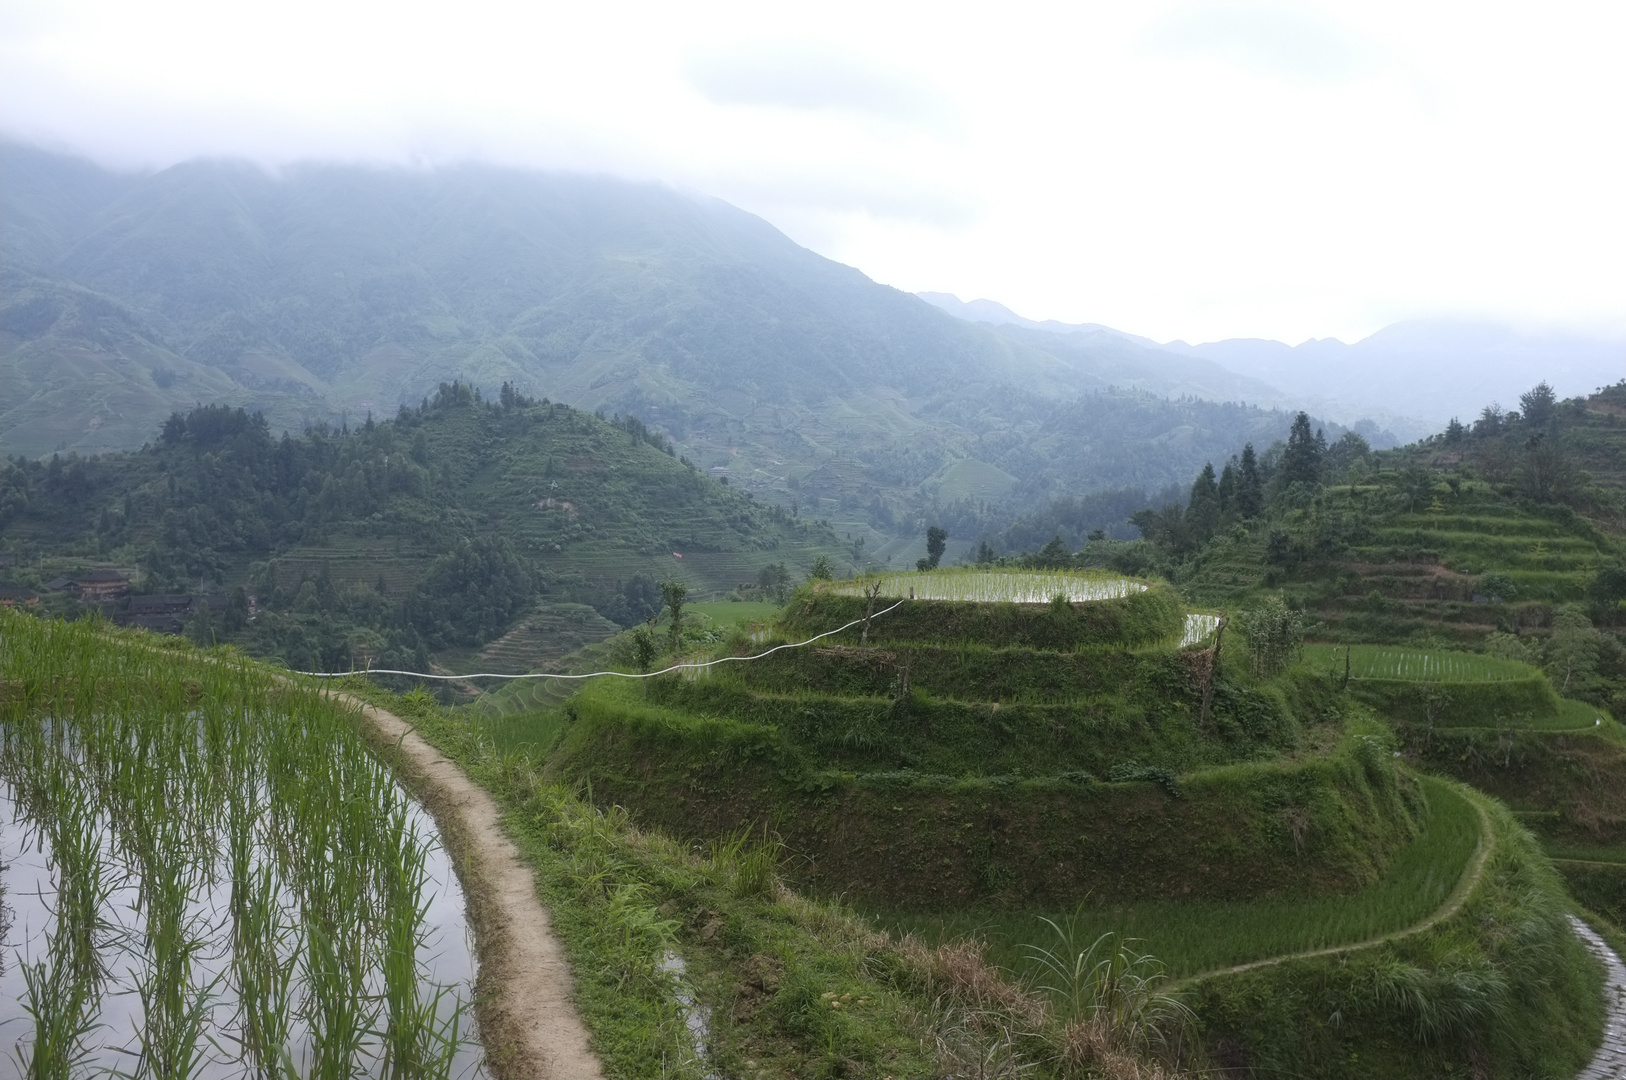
[(528, 1019), (1453, 904)]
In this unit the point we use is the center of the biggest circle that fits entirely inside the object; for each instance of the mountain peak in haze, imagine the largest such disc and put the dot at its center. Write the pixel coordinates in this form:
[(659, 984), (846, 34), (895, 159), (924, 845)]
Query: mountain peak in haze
[(1413, 376)]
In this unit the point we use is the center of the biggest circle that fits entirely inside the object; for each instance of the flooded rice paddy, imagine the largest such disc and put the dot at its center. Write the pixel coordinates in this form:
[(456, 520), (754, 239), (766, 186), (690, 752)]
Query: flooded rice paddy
[(996, 586), (206, 874), (112, 1023)]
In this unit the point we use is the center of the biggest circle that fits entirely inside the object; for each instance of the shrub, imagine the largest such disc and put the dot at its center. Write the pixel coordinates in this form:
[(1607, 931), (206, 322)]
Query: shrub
[(1498, 587)]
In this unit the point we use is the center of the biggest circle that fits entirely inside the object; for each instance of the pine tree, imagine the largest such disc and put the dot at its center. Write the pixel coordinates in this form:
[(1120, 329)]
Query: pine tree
[(1537, 405), (1301, 461), (936, 543), (1203, 508), (1227, 487), (1250, 492)]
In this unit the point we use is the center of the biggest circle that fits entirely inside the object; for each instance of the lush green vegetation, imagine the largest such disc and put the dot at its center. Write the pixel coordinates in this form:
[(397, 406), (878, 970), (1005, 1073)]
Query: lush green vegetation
[(435, 532), (1215, 787), (1198, 935), (1504, 983), (663, 935), (224, 849), (910, 769), (856, 756), (872, 787)]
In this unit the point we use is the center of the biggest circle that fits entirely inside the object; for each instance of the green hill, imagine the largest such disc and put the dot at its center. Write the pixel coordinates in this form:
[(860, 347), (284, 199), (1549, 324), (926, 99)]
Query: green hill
[(437, 532), (1471, 588)]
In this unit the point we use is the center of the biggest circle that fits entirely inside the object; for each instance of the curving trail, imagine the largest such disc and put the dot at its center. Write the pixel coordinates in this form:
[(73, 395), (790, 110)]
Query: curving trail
[(527, 1019), (1609, 1063), (1452, 905)]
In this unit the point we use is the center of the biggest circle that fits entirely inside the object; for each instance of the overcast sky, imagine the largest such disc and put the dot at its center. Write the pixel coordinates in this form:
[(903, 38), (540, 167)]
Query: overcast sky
[(1186, 170)]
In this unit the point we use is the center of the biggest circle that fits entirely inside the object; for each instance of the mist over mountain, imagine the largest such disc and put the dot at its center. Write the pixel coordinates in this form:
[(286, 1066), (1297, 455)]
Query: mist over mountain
[(325, 293), (1411, 377), (1434, 369)]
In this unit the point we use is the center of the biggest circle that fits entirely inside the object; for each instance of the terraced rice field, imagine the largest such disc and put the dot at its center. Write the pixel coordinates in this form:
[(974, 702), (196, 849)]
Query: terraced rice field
[(1417, 665), (550, 632), (1199, 936), (212, 877), (1199, 628), (996, 586)]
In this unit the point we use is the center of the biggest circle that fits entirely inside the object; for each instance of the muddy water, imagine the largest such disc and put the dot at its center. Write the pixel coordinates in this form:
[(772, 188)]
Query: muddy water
[(28, 895)]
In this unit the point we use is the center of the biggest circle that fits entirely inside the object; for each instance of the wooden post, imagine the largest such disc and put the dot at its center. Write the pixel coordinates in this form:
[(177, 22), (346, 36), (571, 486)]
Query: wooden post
[(871, 593)]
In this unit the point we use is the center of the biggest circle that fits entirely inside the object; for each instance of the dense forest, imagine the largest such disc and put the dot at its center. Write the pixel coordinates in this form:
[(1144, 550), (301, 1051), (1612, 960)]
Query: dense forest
[(464, 512)]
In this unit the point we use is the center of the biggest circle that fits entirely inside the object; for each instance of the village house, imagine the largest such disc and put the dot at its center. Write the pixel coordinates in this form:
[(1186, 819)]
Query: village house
[(10, 596), (96, 586), (166, 613)]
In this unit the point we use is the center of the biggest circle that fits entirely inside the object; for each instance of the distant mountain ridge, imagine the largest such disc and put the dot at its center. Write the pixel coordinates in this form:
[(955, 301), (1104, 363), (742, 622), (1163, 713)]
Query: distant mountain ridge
[(328, 293), (1413, 376)]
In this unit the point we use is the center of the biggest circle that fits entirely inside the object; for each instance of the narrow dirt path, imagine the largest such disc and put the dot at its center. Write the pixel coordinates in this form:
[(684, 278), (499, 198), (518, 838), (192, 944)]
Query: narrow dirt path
[(1453, 904), (527, 1019), (1609, 1063)]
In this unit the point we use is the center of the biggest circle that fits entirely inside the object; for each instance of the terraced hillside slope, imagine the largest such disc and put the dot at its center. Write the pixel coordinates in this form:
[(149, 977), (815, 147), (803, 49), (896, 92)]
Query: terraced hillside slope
[(1473, 585), (504, 533), (978, 766)]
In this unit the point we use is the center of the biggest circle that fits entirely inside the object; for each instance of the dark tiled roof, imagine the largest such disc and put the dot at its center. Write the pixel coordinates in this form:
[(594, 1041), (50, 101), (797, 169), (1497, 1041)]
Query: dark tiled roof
[(160, 603)]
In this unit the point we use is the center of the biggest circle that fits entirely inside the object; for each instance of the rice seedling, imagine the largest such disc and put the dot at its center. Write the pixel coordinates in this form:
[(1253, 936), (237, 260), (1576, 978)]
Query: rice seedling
[(996, 586), (1200, 935), (1416, 665), (230, 882)]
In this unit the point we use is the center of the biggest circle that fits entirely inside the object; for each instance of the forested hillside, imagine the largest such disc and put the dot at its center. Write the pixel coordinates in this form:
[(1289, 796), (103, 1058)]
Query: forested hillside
[(323, 294), (1424, 579), (434, 532)]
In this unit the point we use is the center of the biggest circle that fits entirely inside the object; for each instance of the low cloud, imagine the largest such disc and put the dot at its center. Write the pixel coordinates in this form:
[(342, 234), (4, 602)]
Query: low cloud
[(788, 75), (1287, 42)]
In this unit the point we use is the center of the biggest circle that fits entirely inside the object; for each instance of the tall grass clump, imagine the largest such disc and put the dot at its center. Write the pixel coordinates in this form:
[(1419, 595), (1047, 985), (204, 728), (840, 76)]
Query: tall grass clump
[(225, 854), (1112, 1000)]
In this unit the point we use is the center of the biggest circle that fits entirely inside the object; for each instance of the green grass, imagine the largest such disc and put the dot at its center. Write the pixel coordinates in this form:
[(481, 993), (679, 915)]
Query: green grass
[(1415, 665), (1599, 853), (1195, 937), (647, 921), (725, 613), (1572, 715)]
